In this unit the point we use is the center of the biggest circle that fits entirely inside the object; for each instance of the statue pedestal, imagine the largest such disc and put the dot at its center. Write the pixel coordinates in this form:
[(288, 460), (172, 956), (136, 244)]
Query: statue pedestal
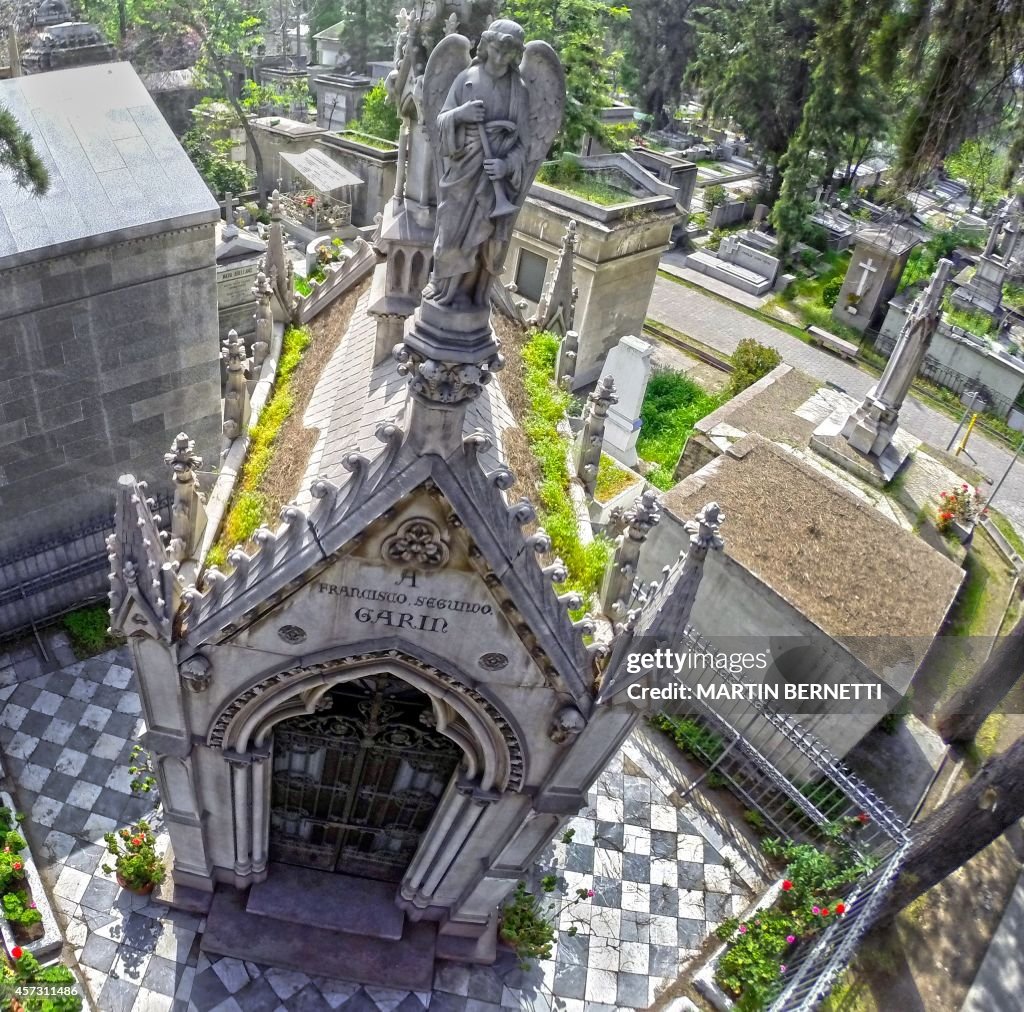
[(833, 442), (451, 335)]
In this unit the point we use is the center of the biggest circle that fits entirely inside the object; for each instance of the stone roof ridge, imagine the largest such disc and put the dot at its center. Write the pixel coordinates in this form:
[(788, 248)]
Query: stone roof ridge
[(145, 589)]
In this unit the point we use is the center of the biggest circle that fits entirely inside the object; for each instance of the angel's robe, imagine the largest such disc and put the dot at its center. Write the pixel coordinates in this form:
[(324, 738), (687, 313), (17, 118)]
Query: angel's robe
[(468, 240)]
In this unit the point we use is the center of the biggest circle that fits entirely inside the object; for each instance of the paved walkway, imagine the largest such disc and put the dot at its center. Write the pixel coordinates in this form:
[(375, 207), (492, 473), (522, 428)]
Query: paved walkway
[(1000, 980), (722, 327), (662, 878)]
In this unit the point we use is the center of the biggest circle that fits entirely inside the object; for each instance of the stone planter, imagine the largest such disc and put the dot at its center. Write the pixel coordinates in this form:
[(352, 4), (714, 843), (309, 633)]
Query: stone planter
[(964, 531), (48, 941), (140, 891), (25, 934)]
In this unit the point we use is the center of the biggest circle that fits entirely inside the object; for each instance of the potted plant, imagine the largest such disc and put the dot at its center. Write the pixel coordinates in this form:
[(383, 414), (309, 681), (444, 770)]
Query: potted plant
[(137, 866), (57, 983), (959, 512), (529, 929), (21, 913)]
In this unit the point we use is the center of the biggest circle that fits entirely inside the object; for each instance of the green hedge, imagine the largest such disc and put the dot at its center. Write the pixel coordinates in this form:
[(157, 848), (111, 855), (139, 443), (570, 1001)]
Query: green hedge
[(586, 563)]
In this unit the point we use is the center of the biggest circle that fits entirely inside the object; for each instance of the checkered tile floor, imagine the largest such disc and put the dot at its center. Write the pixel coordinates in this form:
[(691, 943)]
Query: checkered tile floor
[(659, 886)]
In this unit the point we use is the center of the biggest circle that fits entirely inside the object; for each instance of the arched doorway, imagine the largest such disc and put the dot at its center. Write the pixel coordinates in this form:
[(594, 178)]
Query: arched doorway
[(355, 784)]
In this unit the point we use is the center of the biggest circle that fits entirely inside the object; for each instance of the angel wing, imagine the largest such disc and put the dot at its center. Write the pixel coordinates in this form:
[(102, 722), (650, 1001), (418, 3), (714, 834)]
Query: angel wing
[(447, 60), (544, 78)]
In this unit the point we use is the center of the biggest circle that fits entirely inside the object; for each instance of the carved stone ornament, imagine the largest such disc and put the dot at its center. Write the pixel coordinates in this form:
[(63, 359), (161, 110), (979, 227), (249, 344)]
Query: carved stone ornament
[(567, 724), (493, 661), (292, 633), (416, 543), (444, 382), (196, 672)]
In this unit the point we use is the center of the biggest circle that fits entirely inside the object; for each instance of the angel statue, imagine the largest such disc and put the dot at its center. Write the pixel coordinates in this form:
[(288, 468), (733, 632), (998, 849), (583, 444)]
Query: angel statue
[(491, 122)]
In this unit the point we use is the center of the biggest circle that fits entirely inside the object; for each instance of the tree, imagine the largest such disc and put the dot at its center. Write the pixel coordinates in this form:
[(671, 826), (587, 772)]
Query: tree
[(577, 29), (368, 28), (227, 31), (978, 165), (957, 830), (18, 156), (961, 717), (752, 65), (660, 40), (378, 117)]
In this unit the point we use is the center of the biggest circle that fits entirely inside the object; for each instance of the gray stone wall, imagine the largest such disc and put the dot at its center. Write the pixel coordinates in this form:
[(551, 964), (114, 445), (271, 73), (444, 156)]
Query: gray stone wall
[(108, 353)]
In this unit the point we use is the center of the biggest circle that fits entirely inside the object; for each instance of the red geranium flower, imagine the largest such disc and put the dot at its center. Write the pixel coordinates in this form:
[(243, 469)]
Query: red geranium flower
[(840, 908), (136, 841), (16, 952), (787, 885), (863, 818), (824, 912), (17, 866)]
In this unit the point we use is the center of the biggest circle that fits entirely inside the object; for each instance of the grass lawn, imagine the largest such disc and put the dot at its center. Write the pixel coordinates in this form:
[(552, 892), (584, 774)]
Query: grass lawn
[(672, 406), (1007, 530)]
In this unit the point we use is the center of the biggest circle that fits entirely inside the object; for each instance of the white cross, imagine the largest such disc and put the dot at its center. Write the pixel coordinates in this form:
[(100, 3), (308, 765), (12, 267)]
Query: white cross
[(868, 268), (229, 215)]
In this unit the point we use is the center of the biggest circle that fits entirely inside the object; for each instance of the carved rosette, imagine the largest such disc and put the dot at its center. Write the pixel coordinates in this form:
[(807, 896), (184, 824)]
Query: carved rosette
[(447, 383), (418, 543)]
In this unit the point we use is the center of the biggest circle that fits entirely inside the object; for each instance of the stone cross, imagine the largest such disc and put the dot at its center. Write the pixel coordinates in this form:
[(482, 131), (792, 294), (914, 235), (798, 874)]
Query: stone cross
[(230, 229), (188, 514), (993, 235), (868, 267), (591, 439)]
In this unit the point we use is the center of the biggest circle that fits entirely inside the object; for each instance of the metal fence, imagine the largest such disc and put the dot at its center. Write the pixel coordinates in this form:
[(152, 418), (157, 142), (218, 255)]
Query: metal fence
[(798, 787), (952, 379), (47, 579)]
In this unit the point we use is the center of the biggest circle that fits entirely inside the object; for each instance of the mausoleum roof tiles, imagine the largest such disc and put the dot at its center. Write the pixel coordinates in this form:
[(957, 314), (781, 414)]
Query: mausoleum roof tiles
[(115, 166)]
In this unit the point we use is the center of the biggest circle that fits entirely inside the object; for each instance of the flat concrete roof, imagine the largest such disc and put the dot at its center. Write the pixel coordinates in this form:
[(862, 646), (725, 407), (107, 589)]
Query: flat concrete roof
[(115, 165), (837, 560)]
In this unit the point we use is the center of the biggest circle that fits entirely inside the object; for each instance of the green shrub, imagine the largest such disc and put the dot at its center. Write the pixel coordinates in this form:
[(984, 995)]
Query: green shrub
[(378, 117), (87, 630), (713, 196), (750, 362), (830, 292), (25, 970), (19, 909)]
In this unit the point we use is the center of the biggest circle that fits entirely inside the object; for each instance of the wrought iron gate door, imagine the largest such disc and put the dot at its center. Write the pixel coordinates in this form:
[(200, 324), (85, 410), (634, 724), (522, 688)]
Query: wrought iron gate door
[(355, 784)]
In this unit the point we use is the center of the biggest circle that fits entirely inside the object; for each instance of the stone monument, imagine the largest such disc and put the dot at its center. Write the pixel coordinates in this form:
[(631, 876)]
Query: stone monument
[(875, 269), (872, 430), (629, 362), (984, 291)]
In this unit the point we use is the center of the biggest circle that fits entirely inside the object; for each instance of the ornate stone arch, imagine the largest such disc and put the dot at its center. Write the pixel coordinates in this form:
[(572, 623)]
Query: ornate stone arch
[(492, 746)]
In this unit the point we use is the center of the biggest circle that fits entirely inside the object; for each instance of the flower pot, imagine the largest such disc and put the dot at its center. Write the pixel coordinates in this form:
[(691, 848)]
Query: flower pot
[(139, 890), (25, 933)]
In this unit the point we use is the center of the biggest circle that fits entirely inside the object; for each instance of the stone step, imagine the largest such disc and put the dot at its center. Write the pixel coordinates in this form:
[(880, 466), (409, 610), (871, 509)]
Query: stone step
[(323, 899), (405, 965)]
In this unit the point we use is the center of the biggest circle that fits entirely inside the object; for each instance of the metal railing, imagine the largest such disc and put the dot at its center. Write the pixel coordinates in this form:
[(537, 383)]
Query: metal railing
[(799, 788), (48, 578)]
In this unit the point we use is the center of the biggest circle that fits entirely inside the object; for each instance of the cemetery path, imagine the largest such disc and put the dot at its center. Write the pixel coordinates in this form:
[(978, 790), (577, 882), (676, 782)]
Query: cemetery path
[(720, 326)]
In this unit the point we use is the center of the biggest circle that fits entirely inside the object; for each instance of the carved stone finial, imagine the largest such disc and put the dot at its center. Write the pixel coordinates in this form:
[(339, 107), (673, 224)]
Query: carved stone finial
[(703, 529), (618, 588), (557, 307), (591, 438), (237, 408), (568, 354), (188, 513)]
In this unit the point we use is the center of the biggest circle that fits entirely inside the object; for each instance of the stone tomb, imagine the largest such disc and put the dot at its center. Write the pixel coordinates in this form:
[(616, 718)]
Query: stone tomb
[(238, 256), (740, 262), (629, 365), (108, 320), (878, 260)]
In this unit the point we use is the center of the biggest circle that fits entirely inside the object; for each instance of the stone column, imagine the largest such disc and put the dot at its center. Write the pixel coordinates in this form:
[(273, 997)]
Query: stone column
[(587, 451), (260, 814), (188, 514), (241, 804), (237, 408), (617, 587), (684, 581)]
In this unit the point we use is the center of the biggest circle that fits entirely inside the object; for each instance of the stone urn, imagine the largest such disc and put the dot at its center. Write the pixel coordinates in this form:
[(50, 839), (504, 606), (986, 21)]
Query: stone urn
[(136, 890)]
